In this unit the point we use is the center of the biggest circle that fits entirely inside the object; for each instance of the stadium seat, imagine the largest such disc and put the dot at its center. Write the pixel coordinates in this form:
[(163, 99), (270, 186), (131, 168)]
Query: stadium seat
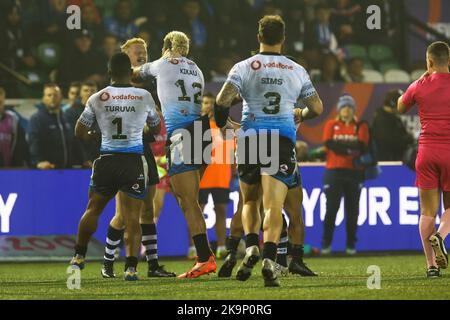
[(373, 76), (368, 65), (397, 76), (49, 54), (416, 74), (388, 65), (355, 51), (380, 53)]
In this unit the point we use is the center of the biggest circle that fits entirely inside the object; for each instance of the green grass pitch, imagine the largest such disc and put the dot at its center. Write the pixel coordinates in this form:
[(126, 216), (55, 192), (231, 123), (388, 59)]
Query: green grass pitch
[(402, 277)]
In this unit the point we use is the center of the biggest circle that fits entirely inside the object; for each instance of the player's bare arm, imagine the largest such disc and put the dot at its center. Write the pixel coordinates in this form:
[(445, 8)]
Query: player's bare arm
[(84, 132), (401, 107), (223, 103), (313, 109)]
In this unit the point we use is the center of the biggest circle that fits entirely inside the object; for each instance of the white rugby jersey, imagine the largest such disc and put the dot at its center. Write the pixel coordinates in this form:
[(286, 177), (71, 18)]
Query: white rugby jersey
[(121, 113), (180, 86), (270, 85)]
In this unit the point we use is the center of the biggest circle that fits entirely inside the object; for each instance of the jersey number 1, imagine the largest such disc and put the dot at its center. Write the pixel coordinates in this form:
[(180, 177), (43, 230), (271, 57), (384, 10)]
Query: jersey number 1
[(119, 135)]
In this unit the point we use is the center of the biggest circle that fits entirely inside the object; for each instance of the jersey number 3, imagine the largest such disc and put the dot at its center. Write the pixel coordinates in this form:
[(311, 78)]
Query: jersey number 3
[(274, 103), (119, 135)]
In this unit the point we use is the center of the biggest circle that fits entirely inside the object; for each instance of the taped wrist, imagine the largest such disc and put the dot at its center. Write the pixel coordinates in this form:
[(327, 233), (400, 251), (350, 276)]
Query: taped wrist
[(221, 115)]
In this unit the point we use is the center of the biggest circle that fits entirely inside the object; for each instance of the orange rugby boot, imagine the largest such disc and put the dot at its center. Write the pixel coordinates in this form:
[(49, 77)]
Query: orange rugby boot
[(200, 268)]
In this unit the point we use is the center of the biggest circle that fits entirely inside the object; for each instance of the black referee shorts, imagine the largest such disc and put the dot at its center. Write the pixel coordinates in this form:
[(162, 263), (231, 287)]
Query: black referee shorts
[(220, 195), (124, 172)]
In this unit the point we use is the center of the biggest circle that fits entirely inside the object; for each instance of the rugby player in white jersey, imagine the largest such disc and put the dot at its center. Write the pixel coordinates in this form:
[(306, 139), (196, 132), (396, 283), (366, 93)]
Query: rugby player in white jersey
[(136, 49), (180, 86), (270, 85), (122, 112)]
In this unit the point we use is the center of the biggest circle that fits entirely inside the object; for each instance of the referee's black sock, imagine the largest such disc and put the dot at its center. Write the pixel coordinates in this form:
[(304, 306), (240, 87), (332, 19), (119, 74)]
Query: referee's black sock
[(113, 240), (270, 251), (232, 244), (150, 243), (202, 247), (252, 239)]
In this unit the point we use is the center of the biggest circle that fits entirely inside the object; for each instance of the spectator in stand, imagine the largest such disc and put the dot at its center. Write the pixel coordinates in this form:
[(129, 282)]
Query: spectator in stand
[(193, 24), (50, 136), (73, 95), (82, 62), (15, 51), (83, 152), (221, 68), (354, 72), (345, 139), (346, 19), (110, 45), (330, 71), (13, 146), (121, 24), (388, 124), (91, 20), (320, 38)]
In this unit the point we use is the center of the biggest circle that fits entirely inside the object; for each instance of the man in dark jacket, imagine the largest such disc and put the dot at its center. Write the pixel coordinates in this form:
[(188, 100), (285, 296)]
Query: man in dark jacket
[(84, 152), (13, 146), (390, 134), (50, 136)]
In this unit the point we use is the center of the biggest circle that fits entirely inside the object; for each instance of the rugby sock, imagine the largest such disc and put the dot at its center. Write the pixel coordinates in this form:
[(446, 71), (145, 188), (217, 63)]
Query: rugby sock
[(80, 250), (283, 245), (270, 251), (149, 241), (427, 227), (444, 227), (282, 249), (202, 247), (131, 262), (252, 239), (113, 239), (232, 243), (296, 251)]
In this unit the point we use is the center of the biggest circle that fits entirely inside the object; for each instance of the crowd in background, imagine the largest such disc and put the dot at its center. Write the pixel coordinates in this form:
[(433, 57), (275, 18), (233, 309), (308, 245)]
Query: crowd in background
[(35, 40)]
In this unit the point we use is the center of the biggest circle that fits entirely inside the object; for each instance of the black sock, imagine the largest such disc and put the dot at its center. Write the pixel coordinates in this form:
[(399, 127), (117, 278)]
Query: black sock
[(131, 262), (296, 251), (252, 239), (150, 243), (80, 250), (202, 247), (113, 240), (232, 243), (270, 251), (282, 249)]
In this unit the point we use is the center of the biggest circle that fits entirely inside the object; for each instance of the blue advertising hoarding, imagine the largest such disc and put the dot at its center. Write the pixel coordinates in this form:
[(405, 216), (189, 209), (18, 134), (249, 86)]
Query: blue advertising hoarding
[(35, 203)]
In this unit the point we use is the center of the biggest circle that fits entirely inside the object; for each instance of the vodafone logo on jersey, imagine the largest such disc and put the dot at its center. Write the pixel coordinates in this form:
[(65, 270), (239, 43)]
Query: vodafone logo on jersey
[(104, 96), (128, 97), (256, 65)]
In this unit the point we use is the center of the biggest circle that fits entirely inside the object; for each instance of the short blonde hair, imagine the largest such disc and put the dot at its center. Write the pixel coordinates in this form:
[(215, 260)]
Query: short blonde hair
[(130, 42), (177, 41)]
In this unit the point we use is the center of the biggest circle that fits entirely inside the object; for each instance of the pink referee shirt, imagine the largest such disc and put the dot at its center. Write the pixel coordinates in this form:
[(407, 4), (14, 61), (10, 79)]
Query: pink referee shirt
[(432, 95)]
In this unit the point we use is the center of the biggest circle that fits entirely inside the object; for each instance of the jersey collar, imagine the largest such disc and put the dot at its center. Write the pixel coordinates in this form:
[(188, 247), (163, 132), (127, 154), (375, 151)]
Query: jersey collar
[(121, 85), (268, 53)]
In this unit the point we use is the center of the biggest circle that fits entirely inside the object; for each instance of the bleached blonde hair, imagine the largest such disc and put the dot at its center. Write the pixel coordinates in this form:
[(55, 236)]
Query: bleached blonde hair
[(130, 42), (178, 42)]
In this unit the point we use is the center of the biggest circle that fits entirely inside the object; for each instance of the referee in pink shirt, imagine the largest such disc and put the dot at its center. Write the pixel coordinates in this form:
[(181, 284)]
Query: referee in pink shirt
[(432, 95)]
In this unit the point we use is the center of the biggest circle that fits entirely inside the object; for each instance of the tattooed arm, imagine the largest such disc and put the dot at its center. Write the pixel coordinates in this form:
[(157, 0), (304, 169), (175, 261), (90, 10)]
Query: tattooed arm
[(223, 103), (314, 108)]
